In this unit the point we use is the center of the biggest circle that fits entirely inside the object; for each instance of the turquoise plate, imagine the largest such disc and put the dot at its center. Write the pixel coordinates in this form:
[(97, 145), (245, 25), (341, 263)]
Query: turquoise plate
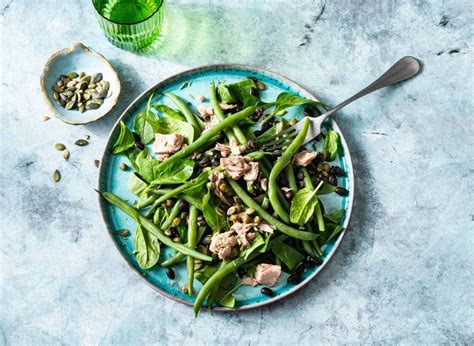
[(111, 178)]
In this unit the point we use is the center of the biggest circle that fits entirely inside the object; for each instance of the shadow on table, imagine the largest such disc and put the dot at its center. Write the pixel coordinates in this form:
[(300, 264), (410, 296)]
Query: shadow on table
[(202, 34)]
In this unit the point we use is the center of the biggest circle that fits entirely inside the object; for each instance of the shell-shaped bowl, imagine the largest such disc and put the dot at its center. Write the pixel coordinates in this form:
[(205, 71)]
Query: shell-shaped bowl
[(78, 58)]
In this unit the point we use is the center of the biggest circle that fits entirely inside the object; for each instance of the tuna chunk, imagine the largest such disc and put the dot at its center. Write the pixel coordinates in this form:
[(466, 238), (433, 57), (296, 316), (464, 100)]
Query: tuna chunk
[(264, 227), (167, 144), (227, 106), (252, 173), (233, 148), (236, 166), (205, 112), (303, 158), (210, 123), (248, 281), (267, 274), (222, 244), (223, 149), (243, 234)]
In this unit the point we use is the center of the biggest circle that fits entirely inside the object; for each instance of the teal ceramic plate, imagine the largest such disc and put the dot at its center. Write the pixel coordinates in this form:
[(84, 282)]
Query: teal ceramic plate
[(111, 178)]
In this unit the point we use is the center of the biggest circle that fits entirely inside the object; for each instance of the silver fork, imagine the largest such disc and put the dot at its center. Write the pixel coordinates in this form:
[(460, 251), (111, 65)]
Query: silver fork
[(403, 69)]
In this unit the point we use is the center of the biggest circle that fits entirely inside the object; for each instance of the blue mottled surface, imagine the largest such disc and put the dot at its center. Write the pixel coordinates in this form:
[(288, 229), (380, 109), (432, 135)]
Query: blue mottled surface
[(402, 275)]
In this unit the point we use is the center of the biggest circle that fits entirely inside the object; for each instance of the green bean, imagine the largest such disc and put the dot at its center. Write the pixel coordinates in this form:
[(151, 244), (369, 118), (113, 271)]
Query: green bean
[(172, 193), (308, 248), (225, 270), (192, 230), (307, 179), (290, 176), (218, 111), (249, 201), (316, 247), (280, 164), (319, 217), (281, 196), (173, 213), (190, 117), (191, 200), (151, 227), (178, 257), (206, 136)]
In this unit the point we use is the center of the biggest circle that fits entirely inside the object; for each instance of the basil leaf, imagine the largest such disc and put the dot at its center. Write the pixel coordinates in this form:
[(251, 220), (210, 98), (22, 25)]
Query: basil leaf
[(136, 184), (213, 218), (125, 140), (241, 90), (143, 127), (173, 113), (172, 125), (331, 144), (175, 173), (147, 248), (335, 217), (287, 254), (225, 94), (302, 206)]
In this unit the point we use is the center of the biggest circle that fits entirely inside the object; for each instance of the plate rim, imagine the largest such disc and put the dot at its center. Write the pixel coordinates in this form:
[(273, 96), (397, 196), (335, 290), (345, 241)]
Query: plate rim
[(242, 67)]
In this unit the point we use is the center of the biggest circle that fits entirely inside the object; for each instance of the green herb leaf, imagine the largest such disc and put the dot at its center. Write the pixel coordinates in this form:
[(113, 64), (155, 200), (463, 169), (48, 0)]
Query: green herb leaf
[(203, 274), (302, 206), (147, 247), (335, 217), (285, 100), (331, 232), (287, 254), (171, 125), (331, 144), (176, 173), (258, 244), (136, 184), (241, 90), (143, 127), (125, 140), (173, 113), (326, 188), (213, 218), (225, 94), (197, 188)]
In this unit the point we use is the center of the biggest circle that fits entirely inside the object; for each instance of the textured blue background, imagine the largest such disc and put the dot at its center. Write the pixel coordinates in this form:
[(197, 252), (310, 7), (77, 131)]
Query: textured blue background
[(402, 275)]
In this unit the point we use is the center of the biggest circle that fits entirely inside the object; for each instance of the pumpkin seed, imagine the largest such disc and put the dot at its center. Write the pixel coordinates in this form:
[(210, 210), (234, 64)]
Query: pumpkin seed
[(69, 105), (260, 86), (231, 210), (81, 142), (45, 118), (81, 108), (123, 232), (56, 95), (99, 101), (86, 95), (82, 74), (66, 154), (87, 137), (280, 113), (71, 83), (59, 82), (96, 78), (58, 89), (105, 85), (97, 163), (123, 166), (56, 176), (59, 146), (68, 93), (86, 79), (72, 75), (92, 105), (91, 86)]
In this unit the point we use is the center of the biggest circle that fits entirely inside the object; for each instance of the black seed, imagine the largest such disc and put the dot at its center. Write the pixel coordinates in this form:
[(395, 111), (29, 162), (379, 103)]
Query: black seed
[(337, 171), (319, 158), (267, 291), (266, 126), (299, 175), (315, 260), (241, 272), (170, 273), (299, 269), (257, 133), (253, 91), (332, 180), (204, 162), (341, 191), (252, 145), (214, 162), (294, 279)]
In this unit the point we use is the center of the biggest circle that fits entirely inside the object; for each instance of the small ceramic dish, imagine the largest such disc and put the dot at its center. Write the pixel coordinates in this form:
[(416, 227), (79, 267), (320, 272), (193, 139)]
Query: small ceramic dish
[(78, 58)]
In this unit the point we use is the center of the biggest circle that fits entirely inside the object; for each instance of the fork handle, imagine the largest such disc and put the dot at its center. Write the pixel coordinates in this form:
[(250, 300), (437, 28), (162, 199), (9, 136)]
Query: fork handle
[(403, 69)]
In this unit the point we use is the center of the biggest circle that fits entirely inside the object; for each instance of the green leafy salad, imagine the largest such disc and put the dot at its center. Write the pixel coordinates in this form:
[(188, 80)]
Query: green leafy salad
[(233, 213)]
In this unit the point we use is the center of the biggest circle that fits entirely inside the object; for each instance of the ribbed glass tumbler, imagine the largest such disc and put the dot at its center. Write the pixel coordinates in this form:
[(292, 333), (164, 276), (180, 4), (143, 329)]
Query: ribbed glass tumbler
[(130, 24)]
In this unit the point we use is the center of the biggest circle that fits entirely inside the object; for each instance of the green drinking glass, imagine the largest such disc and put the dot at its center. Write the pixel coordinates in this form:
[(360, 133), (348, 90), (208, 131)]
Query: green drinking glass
[(130, 24)]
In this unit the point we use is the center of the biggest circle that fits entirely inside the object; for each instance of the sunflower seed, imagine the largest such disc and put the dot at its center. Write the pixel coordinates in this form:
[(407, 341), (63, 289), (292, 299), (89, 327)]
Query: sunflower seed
[(72, 75), (56, 176), (68, 93), (92, 105), (81, 108), (69, 105), (59, 146), (99, 101), (96, 78), (58, 89), (79, 104), (105, 85), (63, 97), (66, 154), (97, 163), (71, 83), (81, 142), (60, 82), (86, 95), (91, 86)]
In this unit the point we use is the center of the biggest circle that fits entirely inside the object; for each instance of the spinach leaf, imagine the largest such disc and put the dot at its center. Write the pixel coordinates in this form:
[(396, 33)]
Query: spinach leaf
[(136, 184), (132, 155), (223, 293), (285, 100), (287, 254), (335, 217), (331, 232), (203, 274), (326, 188), (197, 187), (213, 217), (172, 125), (241, 90), (259, 244), (331, 144), (173, 113), (225, 94), (143, 127), (125, 140), (175, 173), (302, 206), (147, 248)]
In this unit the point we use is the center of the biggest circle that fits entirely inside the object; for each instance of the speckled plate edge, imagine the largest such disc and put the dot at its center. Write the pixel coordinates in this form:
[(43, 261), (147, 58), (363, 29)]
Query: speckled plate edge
[(44, 87), (276, 76)]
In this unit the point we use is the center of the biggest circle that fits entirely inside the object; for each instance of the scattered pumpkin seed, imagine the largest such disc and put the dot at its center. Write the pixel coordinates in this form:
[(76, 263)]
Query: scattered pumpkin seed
[(260, 86), (57, 88), (56, 176), (292, 122), (66, 154), (123, 166), (96, 77), (81, 142), (82, 74), (97, 163), (56, 95), (69, 105), (72, 75), (59, 146), (87, 137), (231, 210), (45, 118), (123, 232)]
